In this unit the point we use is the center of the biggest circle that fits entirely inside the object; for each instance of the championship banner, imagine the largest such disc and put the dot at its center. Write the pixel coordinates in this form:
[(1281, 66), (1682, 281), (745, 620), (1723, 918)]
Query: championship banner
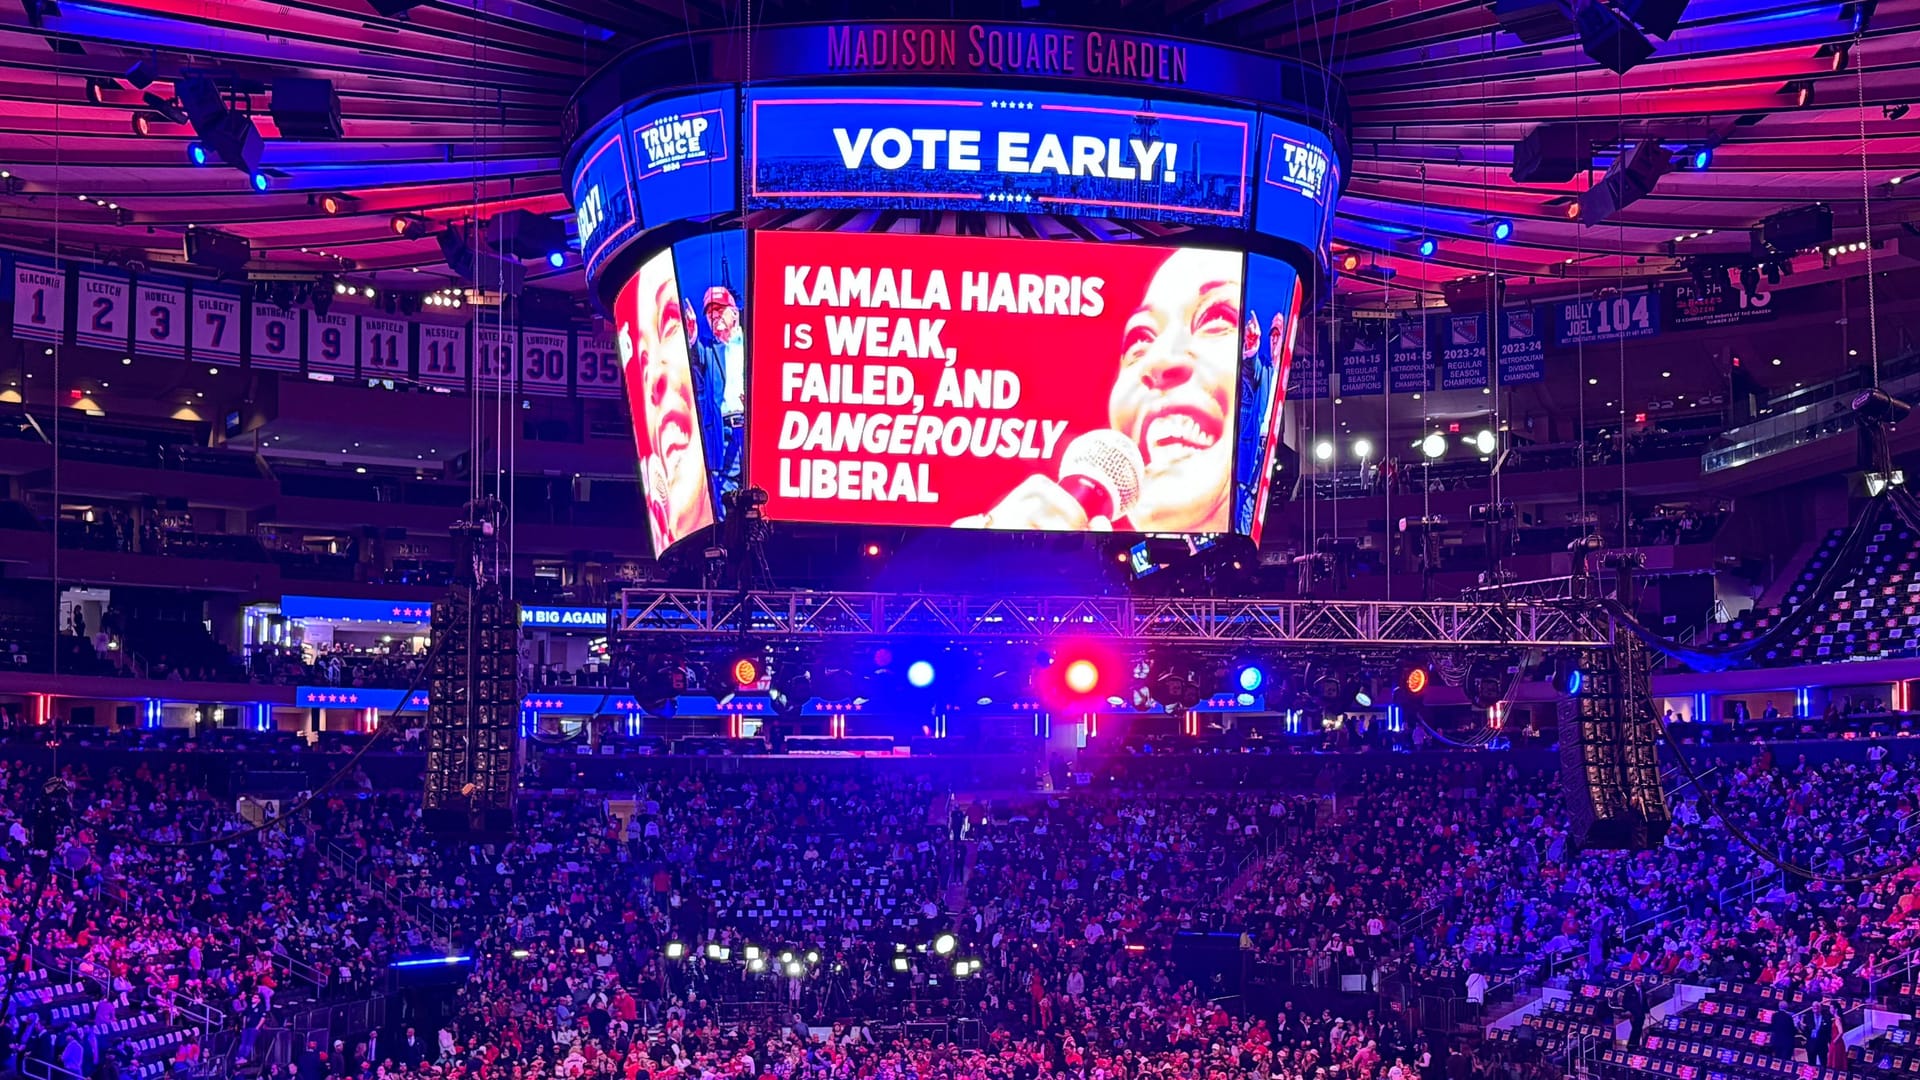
[(1308, 379), (386, 348), (929, 148), (1523, 347), (495, 351), (216, 326), (596, 365), (1586, 322), (443, 355), (101, 315), (544, 362), (1690, 307), (274, 339), (984, 383), (330, 344), (1363, 368), (160, 324), (39, 302), (1409, 366), (1463, 352)]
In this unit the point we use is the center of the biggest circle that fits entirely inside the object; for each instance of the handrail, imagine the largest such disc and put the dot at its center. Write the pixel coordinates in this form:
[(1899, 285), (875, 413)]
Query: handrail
[(296, 967)]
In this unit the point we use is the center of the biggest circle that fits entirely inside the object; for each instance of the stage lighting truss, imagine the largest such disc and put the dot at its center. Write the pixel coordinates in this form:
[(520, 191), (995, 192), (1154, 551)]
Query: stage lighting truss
[(851, 616)]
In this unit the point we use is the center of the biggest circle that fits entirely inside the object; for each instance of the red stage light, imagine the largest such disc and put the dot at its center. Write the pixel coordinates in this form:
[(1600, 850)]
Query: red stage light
[(1416, 681), (745, 672), (1082, 676)]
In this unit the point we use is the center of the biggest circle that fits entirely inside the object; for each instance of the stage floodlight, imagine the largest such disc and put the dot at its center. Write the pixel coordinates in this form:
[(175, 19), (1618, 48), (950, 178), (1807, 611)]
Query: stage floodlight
[(1363, 448), (169, 111), (1632, 175), (196, 153), (920, 674), (1323, 450), (1416, 679), (258, 180), (676, 950), (1610, 40), (1503, 230), (306, 108), (1434, 445), (1486, 442), (1702, 158), (1081, 676), (900, 963), (1251, 677), (945, 944), (524, 234), (1877, 404), (1567, 676), (556, 259), (1428, 245)]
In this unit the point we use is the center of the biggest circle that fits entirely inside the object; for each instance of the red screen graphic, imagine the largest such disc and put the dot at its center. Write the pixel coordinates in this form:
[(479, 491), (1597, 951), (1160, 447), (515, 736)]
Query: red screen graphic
[(651, 325), (994, 383)]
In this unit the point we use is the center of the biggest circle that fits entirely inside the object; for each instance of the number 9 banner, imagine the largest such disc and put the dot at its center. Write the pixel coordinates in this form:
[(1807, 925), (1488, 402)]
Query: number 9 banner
[(276, 338)]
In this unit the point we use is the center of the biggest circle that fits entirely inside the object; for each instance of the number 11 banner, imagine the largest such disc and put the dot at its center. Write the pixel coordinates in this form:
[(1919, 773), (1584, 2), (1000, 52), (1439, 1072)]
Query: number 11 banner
[(443, 355)]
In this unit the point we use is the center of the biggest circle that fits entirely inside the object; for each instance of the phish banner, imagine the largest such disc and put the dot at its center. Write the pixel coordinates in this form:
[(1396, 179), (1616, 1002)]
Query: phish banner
[(1523, 346), (1021, 152), (994, 383), (1463, 352)]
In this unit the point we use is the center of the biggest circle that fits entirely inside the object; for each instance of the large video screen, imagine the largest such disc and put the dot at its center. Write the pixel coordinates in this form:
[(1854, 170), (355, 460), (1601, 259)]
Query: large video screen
[(1272, 325), (683, 156), (1013, 151), (994, 383), (652, 326), (712, 275)]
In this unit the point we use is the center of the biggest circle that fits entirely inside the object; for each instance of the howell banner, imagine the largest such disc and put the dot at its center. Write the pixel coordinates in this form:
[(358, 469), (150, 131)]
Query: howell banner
[(994, 383)]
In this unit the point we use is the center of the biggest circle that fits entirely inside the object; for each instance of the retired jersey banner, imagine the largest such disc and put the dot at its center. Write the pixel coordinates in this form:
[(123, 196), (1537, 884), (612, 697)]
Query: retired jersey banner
[(596, 366), (443, 355), (545, 360), (160, 321), (216, 326), (39, 302), (101, 315), (1463, 352), (496, 349), (1523, 346), (330, 344), (1409, 364), (1616, 318), (274, 338), (386, 348)]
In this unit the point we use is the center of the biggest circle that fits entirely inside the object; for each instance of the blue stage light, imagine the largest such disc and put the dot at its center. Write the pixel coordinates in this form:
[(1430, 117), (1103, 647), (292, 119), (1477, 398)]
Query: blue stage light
[(557, 259), (1252, 678), (1574, 681), (1428, 245), (196, 153), (1702, 158), (920, 674), (259, 181), (1502, 229)]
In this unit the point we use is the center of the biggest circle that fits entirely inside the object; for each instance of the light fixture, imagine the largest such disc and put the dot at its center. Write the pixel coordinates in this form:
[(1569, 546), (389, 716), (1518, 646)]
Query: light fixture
[(1485, 442), (944, 944), (557, 259), (1428, 245), (258, 180), (1702, 158), (1502, 229), (1323, 450), (1363, 448), (1434, 445), (1897, 111), (197, 153)]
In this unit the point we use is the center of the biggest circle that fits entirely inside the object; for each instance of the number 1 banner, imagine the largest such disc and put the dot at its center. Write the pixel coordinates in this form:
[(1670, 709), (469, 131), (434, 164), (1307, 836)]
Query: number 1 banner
[(101, 316), (39, 302), (275, 338), (160, 321), (216, 326)]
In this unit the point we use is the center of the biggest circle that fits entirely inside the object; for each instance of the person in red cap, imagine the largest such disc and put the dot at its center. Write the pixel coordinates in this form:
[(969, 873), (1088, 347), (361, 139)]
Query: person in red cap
[(723, 356)]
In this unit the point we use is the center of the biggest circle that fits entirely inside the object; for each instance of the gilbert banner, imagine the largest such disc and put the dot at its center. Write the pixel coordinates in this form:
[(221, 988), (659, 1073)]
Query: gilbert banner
[(994, 383)]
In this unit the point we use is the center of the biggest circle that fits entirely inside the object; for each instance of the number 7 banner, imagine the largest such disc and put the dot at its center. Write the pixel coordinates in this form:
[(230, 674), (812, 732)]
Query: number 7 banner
[(216, 327)]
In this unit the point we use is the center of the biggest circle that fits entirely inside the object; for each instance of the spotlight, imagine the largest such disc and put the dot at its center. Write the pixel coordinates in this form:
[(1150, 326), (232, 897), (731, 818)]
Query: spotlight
[(1877, 404), (1251, 677), (920, 674), (1415, 680), (1363, 448), (411, 226), (1895, 112), (142, 73), (796, 969), (1502, 230), (167, 110), (258, 180), (1323, 450), (676, 950), (1702, 158), (196, 153), (1567, 677), (1428, 245), (1081, 676), (1485, 442), (97, 90), (1434, 445), (1350, 262), (900, 963), (944, 944), (745, 671), (1802, 91), (142, 124), (1837, 55), (556, 259), (333, 204)]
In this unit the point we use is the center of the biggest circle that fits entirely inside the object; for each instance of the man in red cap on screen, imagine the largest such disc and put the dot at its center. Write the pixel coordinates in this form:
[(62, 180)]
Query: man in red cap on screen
[(726, 367)]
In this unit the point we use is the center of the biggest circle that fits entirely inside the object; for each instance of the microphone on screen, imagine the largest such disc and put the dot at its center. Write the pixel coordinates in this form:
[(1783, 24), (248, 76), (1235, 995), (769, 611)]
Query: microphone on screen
[(1103, 471)]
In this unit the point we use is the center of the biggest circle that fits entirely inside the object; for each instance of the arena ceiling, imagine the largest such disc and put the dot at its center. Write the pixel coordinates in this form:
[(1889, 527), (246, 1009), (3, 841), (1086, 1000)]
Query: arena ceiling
[(452, 112)]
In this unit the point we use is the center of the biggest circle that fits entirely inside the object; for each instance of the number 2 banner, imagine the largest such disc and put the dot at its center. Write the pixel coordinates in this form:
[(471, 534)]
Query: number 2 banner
[(102, 312), (39, 302)]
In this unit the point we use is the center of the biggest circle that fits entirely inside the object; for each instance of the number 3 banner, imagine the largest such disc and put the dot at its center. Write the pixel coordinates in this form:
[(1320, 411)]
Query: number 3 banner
[(39, 302), (216, 327), (102, 312), (160, 321)]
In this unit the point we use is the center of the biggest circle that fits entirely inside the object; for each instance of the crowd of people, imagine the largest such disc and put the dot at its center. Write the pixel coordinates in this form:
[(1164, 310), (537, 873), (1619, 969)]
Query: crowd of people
[(868, 924)]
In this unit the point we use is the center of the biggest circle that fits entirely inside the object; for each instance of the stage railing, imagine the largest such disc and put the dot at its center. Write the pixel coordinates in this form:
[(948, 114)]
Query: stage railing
[(1181, 621)]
